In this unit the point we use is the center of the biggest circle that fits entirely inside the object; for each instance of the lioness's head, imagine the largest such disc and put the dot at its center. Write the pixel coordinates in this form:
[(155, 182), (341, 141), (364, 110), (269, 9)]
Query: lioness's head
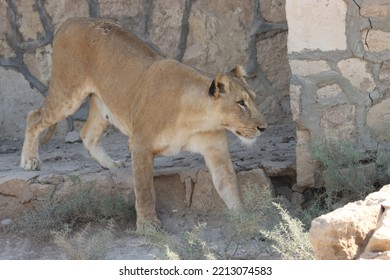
[(235, 105)]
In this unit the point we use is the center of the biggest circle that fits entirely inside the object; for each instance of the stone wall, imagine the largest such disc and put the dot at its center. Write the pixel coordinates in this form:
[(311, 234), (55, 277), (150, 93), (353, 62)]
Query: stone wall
[(212, 36), (340, 62)]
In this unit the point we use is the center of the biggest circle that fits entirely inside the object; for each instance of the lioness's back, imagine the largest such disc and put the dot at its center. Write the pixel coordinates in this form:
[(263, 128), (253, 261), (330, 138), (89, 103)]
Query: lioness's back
[(99, 56), (91, 35)]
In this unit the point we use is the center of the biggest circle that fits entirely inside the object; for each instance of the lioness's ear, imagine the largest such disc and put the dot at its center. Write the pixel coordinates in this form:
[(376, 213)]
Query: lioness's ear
[(219, 85), (239, 72)]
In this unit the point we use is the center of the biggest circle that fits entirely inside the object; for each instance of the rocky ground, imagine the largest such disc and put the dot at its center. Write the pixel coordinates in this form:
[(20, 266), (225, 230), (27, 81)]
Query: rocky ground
[(274, 153)]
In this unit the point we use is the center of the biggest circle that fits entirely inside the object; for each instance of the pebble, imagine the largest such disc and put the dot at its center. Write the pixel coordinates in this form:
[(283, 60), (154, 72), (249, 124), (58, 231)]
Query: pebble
[(6, 222), (72, 137)]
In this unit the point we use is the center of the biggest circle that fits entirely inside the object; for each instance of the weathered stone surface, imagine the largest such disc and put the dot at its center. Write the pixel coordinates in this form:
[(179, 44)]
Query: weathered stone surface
[(357, 230), (39, 63), (5, 49), (305, 165), (254, 177), (377, 198), (12, 187), (42, 192), (378, 119), (273, 10), (295, 101), (120, 8), (16, 100), (384, 73), (72, 137), (340, 122), (375, 8), (308, 67), (356, 71), (10, 207), (30, 23), (376, 256), (297, 199), (36, 191), (206, 198), (269, 104), (323, 30), (170, 194), (376, 40), (380, 240), (342, 233), (330, 91), (210, 44), (273, 61), (9, 198), (61, 10), (165, 26)]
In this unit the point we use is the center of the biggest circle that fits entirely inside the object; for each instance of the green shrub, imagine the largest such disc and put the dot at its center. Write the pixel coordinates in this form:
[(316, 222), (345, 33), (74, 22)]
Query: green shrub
[(243, 224), (289, 237), (348, 173)]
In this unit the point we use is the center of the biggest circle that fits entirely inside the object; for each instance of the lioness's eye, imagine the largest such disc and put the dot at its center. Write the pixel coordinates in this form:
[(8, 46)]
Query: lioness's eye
[(241, 103)]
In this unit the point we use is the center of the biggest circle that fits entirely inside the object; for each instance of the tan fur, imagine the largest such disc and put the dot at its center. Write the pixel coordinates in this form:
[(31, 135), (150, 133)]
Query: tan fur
[(163, 106)]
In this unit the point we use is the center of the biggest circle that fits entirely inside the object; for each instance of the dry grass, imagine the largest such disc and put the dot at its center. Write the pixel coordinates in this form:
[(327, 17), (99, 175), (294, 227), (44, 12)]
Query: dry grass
[(84, 244), (289, 237), (77, 211)]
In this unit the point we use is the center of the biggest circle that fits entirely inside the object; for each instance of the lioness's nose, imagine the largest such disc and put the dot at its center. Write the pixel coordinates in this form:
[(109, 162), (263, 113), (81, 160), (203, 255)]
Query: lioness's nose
[(261, 129)]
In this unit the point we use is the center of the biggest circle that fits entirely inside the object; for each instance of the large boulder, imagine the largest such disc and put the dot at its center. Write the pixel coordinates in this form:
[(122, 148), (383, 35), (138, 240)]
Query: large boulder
[(359, 230)]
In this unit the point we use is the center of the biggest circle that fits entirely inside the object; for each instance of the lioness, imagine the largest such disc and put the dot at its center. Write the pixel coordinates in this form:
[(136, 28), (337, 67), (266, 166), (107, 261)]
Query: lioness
[(163, 106)]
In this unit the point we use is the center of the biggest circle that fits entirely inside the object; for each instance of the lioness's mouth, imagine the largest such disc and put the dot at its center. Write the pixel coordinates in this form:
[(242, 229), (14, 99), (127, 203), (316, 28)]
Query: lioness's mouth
[(249, 137)]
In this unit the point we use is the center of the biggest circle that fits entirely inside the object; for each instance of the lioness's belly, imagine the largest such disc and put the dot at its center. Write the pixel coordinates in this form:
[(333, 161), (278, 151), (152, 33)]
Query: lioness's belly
[(112, 119), (167, 144)]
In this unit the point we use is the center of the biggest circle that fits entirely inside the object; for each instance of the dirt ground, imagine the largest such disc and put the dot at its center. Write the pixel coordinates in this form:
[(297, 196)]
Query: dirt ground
[(274, 152)]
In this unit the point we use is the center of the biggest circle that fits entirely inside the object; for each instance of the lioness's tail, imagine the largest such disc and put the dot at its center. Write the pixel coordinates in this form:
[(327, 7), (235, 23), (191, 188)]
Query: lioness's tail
[(49, 134)]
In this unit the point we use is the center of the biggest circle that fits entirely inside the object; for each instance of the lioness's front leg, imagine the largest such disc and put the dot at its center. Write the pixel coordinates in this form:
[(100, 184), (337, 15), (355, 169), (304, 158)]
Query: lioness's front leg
[(215, 151), (145, 199)]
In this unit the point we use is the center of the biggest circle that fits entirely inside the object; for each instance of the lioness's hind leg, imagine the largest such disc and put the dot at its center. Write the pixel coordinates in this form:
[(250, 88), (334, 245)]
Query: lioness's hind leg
[(30, 158), (53, 110), (92, 132)]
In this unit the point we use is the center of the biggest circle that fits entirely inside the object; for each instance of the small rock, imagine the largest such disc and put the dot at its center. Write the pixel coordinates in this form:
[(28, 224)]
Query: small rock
[(297, 199), (5, 149), (297, 188), (287, 139), (72, 137), (6, 222)]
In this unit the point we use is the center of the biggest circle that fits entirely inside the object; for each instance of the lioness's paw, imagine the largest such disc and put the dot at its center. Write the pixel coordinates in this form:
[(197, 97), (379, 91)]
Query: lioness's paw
[(145, 227), (112, 164), (30, 164), (119, 164)]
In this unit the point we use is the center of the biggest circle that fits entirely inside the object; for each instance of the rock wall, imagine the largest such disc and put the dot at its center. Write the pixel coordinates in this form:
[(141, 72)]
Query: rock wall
[(20, 195), (212, 36), (340, 63)]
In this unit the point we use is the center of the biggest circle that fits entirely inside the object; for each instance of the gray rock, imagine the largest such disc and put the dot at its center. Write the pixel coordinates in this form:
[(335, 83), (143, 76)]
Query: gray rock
[(72, 137)]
